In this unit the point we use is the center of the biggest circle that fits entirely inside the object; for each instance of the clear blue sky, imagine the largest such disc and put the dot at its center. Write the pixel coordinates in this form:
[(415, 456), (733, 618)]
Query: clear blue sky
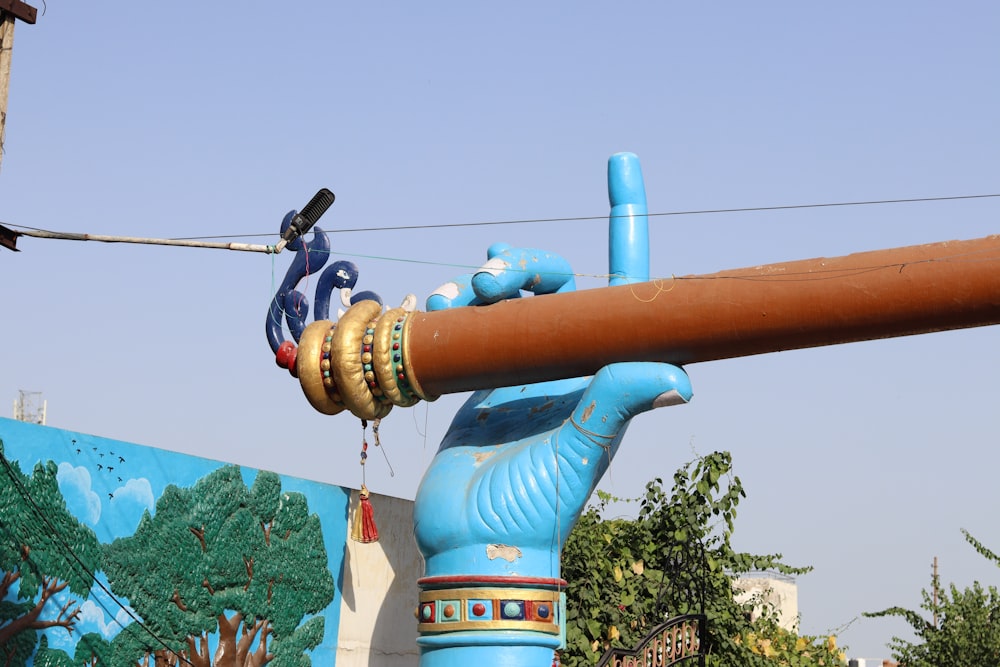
[(863, 461)]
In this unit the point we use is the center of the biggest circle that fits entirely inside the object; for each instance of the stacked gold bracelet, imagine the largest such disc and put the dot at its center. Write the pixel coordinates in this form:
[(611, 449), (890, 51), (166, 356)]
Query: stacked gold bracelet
[(358, 363)]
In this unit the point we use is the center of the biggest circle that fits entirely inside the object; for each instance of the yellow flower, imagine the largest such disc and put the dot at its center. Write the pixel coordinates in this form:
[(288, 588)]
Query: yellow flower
[(767, 649)]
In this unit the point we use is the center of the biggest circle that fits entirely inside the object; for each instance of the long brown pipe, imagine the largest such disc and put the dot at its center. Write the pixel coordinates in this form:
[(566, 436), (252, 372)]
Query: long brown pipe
[(735, 313), (370, 361)]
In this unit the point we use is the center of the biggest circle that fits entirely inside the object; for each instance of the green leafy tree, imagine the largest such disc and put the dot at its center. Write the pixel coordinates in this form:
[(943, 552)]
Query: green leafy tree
[(135, 645), (967, 626), (244, 566), (51, 657), (91, 651), (44, 551), (626, 576)]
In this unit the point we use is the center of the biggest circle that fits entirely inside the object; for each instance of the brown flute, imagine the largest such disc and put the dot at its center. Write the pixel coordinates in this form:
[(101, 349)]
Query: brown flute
[(370, 360)]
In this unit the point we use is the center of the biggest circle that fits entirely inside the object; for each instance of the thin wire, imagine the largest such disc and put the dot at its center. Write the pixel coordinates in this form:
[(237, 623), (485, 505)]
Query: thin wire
[(558, 539), (743, 209), (69, 550), (378, 443)]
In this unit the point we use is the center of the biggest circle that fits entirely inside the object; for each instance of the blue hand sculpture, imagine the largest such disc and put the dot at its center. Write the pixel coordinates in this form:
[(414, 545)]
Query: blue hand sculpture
[(518, 464)]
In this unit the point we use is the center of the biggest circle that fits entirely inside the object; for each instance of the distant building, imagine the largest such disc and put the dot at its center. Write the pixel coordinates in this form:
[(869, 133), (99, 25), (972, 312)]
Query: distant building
[(771, 589), (871, 662)]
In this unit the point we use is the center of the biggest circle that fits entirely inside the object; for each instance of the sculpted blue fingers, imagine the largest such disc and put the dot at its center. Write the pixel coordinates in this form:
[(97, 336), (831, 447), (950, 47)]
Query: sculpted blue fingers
[(628, 230), (453, 294), (589, 439), (510, 270)]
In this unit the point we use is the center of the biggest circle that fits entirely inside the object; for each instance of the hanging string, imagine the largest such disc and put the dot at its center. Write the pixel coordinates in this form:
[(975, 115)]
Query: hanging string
[(378, 443), (364, 448), (599, 439), (558, 543)]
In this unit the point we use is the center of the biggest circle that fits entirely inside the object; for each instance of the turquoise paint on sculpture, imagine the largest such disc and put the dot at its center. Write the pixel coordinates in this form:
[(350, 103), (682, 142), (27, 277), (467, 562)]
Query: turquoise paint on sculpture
[(108, 485), (628, 249), (518, 464)]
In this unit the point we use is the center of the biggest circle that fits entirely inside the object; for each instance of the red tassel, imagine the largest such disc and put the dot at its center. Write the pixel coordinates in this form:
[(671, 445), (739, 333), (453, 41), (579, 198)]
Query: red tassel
[(364, 529)]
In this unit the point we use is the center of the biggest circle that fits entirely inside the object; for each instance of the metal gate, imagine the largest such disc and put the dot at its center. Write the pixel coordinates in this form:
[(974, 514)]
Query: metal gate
[(678, 639)]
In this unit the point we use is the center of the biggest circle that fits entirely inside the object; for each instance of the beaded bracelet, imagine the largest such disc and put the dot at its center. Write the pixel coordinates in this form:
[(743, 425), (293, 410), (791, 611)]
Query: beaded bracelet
[(490, 603), (368, 365), (388, 356), (313, 366), (348, 371)]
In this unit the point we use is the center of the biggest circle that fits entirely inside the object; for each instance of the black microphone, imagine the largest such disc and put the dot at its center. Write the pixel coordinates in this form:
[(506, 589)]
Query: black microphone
[(304, 220)]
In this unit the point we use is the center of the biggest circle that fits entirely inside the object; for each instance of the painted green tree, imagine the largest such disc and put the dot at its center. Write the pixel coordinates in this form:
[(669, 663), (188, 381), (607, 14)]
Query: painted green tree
[(226, 565), (91, 651), (52, 657), (44, 551), (626, 576), (964, 628)]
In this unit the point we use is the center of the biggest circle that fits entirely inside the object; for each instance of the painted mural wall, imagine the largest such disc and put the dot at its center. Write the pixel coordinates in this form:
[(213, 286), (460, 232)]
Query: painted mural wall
[(113, 553)]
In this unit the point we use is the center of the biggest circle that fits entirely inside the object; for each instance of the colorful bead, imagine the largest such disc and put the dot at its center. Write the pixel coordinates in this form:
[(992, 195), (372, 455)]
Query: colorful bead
[(285, 350), (513, 609)]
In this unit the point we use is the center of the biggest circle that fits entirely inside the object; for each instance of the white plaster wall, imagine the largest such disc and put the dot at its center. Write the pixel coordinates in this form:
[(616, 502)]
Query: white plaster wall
[(782, 594), (377, 623)]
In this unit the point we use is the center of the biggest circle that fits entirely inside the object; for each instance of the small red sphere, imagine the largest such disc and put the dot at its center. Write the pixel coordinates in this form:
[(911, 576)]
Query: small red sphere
[(285, 356)]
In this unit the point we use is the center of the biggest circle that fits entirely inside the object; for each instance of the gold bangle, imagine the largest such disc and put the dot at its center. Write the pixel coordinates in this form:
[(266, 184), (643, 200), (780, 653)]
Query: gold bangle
[(348, 371), (311, 370), (388, 353), (368, 364)]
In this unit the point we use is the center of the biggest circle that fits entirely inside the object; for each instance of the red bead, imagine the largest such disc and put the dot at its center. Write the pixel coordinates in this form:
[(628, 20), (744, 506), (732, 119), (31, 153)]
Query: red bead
[(478, 609), (285, 350)]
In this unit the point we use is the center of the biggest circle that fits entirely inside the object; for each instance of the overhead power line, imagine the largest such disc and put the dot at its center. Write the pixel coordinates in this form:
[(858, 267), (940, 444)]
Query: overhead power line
[(747, 209), (9, 236)]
